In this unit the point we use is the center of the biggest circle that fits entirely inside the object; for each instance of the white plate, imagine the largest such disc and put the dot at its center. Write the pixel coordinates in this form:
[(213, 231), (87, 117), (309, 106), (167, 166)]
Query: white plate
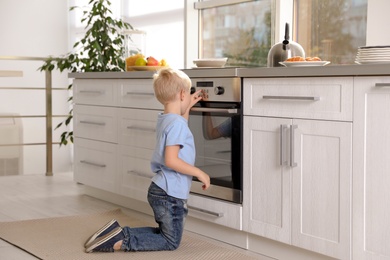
[(207, 67), (217, 62), (373, 62), (304, 63)]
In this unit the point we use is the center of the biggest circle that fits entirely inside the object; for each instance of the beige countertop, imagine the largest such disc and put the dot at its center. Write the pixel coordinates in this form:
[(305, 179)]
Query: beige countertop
[(259, 72)]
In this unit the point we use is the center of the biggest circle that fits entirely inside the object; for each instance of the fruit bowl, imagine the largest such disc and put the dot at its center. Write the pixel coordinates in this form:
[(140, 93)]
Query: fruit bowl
[(144, 68), (214, 63)]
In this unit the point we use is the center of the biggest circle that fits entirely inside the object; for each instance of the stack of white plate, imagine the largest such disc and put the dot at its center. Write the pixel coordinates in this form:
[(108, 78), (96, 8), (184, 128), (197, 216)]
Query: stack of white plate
[(373, 55)]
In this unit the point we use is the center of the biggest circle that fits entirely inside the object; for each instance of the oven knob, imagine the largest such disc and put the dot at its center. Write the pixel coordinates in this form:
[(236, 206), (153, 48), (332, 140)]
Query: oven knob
[(192, 90), (219, 90)]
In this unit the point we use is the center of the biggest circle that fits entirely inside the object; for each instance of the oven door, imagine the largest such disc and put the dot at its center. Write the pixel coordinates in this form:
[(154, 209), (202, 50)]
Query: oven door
[(217, 132)]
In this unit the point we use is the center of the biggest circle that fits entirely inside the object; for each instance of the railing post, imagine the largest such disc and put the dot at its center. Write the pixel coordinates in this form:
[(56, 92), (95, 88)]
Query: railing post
[(49, 125)]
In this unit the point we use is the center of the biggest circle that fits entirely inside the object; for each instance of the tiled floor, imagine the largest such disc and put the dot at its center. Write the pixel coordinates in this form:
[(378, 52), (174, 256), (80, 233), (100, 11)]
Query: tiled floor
[(37, 196)]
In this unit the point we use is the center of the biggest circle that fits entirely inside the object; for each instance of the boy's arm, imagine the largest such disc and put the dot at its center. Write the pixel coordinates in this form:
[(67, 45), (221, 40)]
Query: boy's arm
[(173, 161)]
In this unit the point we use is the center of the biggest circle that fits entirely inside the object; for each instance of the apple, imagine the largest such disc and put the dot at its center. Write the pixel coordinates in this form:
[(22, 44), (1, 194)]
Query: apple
[(150, 61), (140, 62)]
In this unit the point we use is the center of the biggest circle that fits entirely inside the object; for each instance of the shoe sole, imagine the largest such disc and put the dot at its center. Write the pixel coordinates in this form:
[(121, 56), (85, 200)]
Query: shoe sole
[(97, 233), (104, 239)]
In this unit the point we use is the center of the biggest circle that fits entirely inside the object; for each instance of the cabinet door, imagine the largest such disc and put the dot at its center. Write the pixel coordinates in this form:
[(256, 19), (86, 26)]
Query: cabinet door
[(371, 182), (101, 92), (95, 122), (321, 160), (95, 164), (138, 93), (309, 98), (134, 172), (266, 202), (137, 127)]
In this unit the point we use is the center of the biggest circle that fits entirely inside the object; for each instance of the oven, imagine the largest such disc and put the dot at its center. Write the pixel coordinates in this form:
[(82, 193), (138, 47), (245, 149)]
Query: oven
[(216, 123)]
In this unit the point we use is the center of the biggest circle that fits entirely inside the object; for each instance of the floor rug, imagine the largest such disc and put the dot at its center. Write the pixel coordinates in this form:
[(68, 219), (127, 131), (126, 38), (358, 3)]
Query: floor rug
[(62, 238)]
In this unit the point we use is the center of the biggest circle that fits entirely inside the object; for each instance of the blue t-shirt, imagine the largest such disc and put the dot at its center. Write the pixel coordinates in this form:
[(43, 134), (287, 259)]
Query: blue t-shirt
[(172, 129)]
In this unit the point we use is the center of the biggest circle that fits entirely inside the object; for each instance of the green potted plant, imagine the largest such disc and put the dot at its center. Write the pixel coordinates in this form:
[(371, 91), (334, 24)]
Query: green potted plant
[(101, 49)]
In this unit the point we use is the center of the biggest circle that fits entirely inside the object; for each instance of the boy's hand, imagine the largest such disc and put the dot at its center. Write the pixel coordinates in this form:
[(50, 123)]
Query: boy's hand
[(205, 179), (195, 98)]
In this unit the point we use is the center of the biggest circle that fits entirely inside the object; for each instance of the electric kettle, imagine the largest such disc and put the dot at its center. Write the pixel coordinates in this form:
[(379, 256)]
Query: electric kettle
[(284, 50)]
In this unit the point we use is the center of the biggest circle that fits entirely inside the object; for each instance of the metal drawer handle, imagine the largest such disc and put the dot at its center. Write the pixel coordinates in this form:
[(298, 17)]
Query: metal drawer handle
[(91, 92), (92, 123), (139, 174), (308, 98), (215, 214), (93, 164), (141, 129), (282, 152), (292, 136), (140, 93), (382, 85)]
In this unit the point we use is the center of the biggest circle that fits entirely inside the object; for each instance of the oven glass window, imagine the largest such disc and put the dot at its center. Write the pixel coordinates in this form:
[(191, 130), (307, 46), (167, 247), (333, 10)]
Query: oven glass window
[(217, 141)]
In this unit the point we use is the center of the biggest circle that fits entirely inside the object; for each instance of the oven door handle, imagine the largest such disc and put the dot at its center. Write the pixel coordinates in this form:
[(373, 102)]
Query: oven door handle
[(215, 110)]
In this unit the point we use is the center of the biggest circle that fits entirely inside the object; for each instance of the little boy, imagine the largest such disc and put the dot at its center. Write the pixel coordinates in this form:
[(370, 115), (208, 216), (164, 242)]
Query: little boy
[(173, 163)]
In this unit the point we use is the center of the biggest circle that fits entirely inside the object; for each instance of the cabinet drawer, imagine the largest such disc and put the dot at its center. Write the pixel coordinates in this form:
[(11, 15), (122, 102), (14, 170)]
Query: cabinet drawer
[(98, 123), (95, 92), (138, 93), (215, 211), (95, 164), (134, 171), (138, 127), (311, 98)]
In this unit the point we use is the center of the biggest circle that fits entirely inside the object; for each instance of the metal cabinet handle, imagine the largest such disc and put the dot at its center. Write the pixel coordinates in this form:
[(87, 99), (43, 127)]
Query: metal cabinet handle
[(215, 214), (292, 136), (141, 129), (140, 93), (304, 98), (282, 152), (92, 123), (138, 174), (91, 92), (93, 164), (382, 85)]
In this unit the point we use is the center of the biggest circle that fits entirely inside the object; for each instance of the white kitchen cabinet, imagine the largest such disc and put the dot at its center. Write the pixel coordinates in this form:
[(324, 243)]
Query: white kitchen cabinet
[(134, 173), (371, 168), (138, 93), (101, 92), (297, 170), (95, 163), (96, 122)]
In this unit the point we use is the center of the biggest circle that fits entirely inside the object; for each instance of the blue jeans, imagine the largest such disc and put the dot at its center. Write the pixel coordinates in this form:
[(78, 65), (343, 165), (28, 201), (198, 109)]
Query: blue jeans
[(169, 213)]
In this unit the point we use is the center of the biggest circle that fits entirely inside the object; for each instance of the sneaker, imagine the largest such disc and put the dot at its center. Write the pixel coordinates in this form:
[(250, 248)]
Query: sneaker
[(106, 243), (107, 228)]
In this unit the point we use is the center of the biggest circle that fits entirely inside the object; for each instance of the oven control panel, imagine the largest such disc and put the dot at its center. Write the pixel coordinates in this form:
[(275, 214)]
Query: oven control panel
[(218, 89)]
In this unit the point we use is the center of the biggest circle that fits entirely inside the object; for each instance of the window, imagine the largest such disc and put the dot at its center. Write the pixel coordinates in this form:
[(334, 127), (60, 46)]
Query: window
[(244, 31), (241, 32), (331, 29)]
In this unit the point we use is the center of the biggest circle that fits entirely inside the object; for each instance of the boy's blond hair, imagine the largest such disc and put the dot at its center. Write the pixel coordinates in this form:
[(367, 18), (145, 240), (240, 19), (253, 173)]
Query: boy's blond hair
[(168, 82)]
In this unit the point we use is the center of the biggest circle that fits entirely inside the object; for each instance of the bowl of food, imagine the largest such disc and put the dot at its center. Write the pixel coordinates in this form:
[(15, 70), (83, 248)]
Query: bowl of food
[(212, 63)]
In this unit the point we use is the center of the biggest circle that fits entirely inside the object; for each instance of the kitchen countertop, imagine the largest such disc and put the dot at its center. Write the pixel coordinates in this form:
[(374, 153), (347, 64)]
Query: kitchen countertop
[(259, 72)]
